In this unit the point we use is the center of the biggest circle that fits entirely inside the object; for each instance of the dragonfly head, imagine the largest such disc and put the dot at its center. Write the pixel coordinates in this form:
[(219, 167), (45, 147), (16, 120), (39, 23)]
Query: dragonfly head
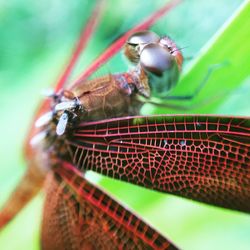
[(158, 56)]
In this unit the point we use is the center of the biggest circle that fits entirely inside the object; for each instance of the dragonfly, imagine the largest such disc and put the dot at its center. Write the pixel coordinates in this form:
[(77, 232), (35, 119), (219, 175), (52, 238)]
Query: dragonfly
[(111, 126)]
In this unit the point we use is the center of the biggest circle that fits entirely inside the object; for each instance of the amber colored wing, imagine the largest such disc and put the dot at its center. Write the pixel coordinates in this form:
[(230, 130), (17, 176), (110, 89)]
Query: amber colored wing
[(78, 215), (205, 158)]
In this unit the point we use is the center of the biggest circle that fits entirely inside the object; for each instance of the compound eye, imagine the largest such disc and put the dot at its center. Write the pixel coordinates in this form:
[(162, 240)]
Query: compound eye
[(156, 59), (136, 43), (141, 37)]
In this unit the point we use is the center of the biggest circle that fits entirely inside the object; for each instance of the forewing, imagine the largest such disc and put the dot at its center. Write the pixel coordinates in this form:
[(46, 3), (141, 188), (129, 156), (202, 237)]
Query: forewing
[(205, 158), (78, 215)]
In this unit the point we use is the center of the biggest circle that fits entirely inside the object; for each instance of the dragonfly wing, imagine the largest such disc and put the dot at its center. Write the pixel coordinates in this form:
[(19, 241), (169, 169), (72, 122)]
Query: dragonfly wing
[(205, 158), (78, 215), (27, 188)]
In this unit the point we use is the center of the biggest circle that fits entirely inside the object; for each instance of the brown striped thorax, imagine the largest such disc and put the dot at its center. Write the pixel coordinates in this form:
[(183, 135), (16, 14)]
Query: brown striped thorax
[(157, 65)]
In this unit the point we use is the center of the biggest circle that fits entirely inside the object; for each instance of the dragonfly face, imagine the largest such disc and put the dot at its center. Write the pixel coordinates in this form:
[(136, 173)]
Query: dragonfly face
[(158, 56)]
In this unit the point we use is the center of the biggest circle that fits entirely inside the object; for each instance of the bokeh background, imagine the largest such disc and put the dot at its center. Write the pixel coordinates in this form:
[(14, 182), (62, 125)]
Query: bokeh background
[(36, 38)]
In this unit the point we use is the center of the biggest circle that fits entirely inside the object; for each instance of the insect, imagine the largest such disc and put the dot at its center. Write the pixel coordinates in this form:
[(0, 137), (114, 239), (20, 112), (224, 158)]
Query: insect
[(62, 126)]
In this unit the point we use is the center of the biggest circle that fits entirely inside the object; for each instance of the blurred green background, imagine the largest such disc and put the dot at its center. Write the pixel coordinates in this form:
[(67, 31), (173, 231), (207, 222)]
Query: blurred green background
[(36, 38)]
